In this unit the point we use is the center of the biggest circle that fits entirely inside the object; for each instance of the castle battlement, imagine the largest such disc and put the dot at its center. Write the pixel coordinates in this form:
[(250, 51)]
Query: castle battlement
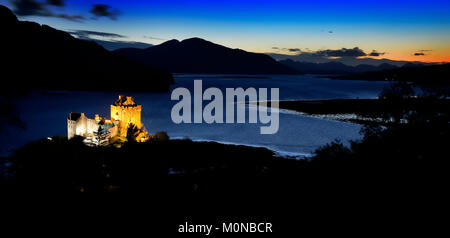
[(125, 101)]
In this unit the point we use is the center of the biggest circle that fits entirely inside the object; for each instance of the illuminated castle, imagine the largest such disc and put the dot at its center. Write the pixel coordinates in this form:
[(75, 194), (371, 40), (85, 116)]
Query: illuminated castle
[(98, 131), (125, 111)]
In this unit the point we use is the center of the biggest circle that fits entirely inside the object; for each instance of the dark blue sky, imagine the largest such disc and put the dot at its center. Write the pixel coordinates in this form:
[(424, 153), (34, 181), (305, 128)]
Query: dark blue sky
[(398, 28)]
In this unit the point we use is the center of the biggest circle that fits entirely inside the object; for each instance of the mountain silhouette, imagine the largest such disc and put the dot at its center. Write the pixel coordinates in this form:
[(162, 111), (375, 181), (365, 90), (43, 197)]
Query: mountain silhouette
[(350, 61), (437, 75), (37, 56), (196, 55), (333, 67)]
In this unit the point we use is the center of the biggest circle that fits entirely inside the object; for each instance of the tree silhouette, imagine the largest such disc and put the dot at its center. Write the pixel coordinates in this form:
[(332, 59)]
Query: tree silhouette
[(132, 132)]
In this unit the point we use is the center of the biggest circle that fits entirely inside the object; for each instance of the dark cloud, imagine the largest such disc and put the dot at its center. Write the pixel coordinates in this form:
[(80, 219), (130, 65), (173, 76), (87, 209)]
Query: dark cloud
[(330, 32), (117, 44), (103, 10), (329, 53), (36, 8), (58, 3), (69, 17), (421, 52), (376, 54), (344, 52), (287, 49), (87, 34), (29, 8)]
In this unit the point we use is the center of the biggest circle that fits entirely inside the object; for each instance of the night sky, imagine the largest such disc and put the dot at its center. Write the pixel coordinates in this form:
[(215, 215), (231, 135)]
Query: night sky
[(399, 30)]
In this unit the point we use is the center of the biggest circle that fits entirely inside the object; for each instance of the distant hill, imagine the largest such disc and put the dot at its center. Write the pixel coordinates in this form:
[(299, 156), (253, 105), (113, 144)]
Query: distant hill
[(333, 67), (35, 56), (350, 61), (196, 55), (114, 45), (426, 75)]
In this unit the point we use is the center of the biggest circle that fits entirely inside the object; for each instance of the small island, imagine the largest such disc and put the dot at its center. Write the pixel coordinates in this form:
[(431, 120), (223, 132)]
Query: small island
[(361, 111)]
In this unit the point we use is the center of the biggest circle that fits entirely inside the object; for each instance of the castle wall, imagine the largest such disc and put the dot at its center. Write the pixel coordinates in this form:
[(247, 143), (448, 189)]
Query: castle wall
[(83, 126), (71, 128), (91, 126)]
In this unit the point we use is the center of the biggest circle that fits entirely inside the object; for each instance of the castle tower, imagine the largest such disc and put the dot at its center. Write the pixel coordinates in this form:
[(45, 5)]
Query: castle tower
[(126, 112)]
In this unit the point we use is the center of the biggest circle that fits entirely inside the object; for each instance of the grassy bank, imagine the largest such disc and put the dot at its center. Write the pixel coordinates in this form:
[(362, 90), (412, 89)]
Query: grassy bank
[(184, 168)]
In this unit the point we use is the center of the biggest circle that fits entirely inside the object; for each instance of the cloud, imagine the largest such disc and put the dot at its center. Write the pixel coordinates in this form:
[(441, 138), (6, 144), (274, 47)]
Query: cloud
[(37, 8), (41, 8), (421, 52), (376, 54), (290, 50), (153, 38), (330, 32), (103, 10), (109, 41), (344, 52), (88, 34), (70, 17), (58, 3), (330, 53)]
